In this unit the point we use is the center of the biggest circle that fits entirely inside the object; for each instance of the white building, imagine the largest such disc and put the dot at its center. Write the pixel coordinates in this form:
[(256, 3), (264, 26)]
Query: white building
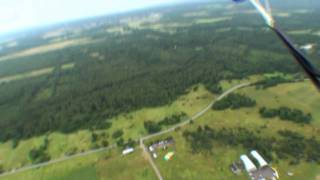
[(127, 151), (259, 158), (151, 149), (154, 155), (307, 47), (248, 164)]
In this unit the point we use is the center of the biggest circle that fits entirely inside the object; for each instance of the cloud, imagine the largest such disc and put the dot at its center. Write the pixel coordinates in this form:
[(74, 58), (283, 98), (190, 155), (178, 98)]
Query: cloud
[(19, 14)]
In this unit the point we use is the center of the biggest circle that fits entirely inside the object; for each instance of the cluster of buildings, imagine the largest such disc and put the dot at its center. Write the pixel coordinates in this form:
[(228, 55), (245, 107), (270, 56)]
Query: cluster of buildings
[(262, 172), (164, 144)]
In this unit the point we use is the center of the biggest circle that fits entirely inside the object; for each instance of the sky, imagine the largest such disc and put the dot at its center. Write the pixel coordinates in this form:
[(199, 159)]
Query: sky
[(21, 14)]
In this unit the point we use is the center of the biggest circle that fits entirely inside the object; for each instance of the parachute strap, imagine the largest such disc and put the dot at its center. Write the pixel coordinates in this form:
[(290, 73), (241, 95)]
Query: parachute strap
[(303, 61), (264, 11), (309, 69), (268, 6)]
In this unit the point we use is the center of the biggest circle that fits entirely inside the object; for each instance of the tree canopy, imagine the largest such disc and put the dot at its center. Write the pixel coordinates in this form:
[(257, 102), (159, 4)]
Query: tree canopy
[(285, 113), (234, 101)]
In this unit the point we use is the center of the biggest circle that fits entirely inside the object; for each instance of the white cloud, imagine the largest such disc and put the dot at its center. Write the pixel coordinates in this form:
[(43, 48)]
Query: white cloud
[(18, 14)]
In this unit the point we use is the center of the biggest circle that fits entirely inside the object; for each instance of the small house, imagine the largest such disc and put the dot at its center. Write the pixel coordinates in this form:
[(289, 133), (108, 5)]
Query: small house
[(127, 151), (154, 155)]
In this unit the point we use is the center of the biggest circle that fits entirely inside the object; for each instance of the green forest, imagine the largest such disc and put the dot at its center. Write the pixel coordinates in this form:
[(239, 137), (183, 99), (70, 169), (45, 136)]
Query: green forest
[(141, 68)]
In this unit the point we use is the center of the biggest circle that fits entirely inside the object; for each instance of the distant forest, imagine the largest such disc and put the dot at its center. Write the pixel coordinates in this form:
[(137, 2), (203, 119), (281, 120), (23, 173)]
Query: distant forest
[(144, 68)]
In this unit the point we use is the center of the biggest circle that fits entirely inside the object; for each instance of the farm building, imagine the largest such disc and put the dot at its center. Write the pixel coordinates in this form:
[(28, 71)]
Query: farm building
[(154, 155), (163, 144), (307, 47), (127, 151), (248, 164), (259, 158), (264, 172)]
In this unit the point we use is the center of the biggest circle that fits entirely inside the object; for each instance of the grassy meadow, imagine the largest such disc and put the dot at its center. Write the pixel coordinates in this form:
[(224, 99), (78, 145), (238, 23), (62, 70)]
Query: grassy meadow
[(130, 123), (102, 165), (186, 165)]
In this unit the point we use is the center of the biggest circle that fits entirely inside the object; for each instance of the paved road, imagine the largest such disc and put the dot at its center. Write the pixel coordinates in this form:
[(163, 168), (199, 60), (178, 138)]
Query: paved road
[(194, 117)]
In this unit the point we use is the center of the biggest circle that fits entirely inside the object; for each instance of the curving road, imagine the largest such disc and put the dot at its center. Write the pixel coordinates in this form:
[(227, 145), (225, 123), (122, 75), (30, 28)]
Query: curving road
[(194, 117), (197, 115)]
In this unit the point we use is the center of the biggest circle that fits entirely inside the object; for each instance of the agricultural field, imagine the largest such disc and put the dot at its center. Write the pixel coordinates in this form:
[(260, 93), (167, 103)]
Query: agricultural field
[(47, 48), (26, 75), (34, 73)]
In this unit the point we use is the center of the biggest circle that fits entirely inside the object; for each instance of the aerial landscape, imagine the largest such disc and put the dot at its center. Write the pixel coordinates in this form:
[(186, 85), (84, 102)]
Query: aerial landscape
[(194, 90)]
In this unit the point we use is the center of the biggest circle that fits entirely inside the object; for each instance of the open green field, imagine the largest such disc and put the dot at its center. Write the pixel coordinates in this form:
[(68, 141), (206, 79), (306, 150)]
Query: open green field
[(131, 123), (101, 81), (186, 165), (102, 165), (300, 95)]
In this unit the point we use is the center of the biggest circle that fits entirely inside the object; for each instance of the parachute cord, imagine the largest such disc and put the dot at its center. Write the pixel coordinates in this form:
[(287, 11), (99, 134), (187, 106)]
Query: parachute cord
[(310, 70)]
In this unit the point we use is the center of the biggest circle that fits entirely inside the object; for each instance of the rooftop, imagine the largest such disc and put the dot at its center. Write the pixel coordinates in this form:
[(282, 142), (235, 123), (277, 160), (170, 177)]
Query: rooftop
[(265, 172)]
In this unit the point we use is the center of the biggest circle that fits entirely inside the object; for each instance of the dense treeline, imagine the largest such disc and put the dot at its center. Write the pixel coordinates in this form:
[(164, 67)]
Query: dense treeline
[(202, 139), (234, 101), (285, 113), (214, 88), (173, 119), (270, 82), (39, 155), (154, 127), (295, 145), (289, 144), (117, 134), (136, 69), (97, 140)]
